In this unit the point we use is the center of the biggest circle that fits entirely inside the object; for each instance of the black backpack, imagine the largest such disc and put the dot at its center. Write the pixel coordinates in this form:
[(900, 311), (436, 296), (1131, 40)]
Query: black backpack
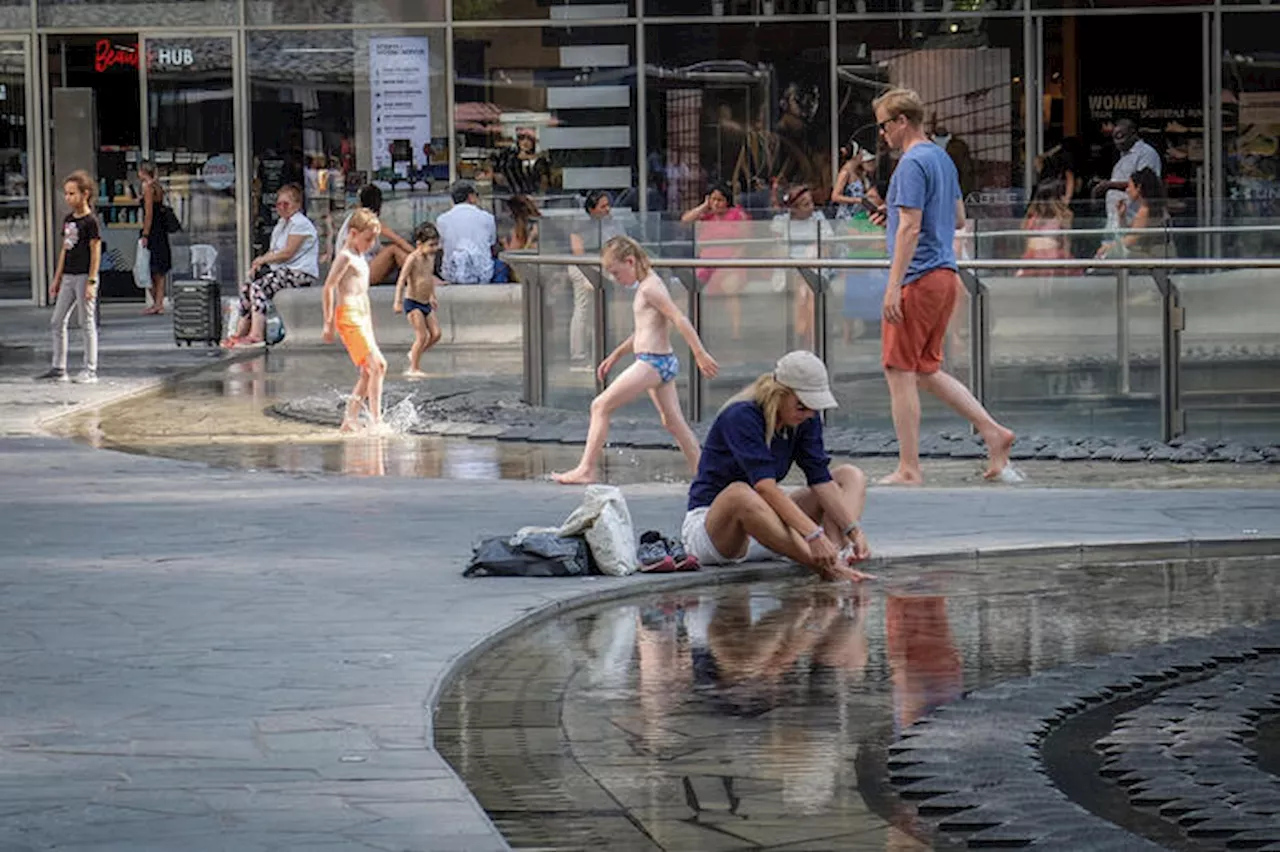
[(169, 220)]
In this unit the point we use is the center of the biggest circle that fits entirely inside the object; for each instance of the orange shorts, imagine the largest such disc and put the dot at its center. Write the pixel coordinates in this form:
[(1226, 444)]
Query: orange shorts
[(915, 344), (356, 333)]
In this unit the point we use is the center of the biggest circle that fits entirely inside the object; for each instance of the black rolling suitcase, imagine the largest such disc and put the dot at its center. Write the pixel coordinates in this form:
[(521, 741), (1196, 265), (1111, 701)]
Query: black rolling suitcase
[(197, 313)]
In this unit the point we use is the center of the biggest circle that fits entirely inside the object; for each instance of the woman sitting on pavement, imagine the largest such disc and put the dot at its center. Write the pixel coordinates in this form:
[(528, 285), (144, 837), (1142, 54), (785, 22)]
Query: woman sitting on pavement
[(737, 511)]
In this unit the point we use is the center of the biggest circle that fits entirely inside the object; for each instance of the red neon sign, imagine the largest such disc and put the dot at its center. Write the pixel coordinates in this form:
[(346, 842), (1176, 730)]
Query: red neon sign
[(106, 55)]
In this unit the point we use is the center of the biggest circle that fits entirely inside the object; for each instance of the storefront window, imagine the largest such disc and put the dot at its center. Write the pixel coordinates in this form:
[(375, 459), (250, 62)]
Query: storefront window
[(1085, 97), (15, 197), (968, 73), (14, 14), (267, 12), (152, 13), (736, 7), (1251, 116), (1114, 4), (332, 111), (538, 10), (546, 112), (737, 103), (917, 7)]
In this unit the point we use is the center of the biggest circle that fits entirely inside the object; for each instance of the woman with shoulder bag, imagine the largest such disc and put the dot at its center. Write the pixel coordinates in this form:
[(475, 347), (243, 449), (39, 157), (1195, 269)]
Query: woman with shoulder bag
[(155, 235)]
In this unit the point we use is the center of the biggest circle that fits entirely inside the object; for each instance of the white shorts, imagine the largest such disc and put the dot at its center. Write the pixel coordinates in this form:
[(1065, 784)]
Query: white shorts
[(693, 533)]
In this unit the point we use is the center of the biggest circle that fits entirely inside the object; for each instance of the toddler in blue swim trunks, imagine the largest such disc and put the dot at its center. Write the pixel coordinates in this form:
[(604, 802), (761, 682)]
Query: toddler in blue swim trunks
[(655, 366), (416, 295)]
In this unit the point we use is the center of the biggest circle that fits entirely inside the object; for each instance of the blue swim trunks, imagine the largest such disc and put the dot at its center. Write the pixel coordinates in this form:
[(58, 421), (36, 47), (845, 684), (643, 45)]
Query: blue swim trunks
[(668, 365), (410, 306)]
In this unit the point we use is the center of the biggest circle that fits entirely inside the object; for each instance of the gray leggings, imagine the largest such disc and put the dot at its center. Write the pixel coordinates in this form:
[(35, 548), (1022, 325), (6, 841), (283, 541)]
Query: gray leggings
[(72, 295)]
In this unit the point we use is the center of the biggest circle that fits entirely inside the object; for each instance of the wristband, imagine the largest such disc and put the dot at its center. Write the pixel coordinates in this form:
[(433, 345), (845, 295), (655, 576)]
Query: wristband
[(851, 529), (815, 535)]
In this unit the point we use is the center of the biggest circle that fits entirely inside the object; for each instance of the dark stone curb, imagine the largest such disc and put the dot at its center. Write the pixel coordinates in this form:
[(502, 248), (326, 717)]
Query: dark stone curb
[(976, 769), (1186, 756), (487, 414)]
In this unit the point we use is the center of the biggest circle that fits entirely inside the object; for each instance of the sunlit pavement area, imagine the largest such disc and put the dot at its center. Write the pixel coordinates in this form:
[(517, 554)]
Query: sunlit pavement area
[(212, 642)]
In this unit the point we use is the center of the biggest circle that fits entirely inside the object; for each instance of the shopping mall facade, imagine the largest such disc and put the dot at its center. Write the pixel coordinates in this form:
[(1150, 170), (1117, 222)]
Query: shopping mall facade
[(649, 99)]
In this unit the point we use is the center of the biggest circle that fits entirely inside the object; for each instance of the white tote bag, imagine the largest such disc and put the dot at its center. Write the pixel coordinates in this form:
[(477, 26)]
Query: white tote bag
[(604, 521), (142, 267)]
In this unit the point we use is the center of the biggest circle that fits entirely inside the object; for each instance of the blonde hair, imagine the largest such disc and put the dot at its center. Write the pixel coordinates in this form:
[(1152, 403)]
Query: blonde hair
[(363, 219), (624, 248), (80, 178), (768, 393), (898, 102)]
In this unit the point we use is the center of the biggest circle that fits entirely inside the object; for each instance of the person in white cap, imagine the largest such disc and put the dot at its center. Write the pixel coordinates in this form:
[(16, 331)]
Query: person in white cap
[(737, 511)]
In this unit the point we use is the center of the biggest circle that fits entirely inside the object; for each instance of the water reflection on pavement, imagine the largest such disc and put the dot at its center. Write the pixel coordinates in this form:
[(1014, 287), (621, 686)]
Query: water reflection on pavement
[(757, 717), (221, 418)]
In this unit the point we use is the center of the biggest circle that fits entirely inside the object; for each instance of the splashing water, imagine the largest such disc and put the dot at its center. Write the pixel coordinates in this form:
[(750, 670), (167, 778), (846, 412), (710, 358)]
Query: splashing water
[(402, 417)]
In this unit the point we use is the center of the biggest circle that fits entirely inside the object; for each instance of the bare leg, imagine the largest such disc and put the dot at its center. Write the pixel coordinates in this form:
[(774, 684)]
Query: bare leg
[(904, 402), (157, 294), (853, 488), (739, 514), (633, 381), (667, 399), (999, 440), (351, 417), (376, 366), (388, 258), (433, 329), (420, 335)]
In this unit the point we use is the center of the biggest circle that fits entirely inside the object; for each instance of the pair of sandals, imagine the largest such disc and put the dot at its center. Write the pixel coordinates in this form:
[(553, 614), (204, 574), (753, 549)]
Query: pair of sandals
[(658, 554)]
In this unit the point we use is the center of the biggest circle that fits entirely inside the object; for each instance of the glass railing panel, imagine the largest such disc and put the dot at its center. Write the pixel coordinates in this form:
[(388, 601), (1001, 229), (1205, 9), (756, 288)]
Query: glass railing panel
[(568, 317), (1231, 355), (1062, 363)]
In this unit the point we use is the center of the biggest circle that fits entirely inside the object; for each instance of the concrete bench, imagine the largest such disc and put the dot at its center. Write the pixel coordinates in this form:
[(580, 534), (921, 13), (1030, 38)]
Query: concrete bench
[(469, 315)]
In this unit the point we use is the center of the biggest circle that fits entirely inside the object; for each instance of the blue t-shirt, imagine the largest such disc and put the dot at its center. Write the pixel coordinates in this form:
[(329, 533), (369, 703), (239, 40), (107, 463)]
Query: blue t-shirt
[(735, 451), (926, 180)]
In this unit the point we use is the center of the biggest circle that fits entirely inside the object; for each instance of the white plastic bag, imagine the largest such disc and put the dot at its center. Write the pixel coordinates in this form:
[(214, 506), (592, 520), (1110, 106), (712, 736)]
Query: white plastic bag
[(142, 267), (604, 521)]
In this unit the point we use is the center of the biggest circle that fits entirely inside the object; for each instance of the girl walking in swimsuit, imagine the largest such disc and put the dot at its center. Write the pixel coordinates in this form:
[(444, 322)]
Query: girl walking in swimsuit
[(346, 308), (656, 365)]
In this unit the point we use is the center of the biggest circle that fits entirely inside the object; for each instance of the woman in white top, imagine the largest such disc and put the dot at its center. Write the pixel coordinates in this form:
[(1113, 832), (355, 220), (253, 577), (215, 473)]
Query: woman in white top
[(292, 260), (807, 233)]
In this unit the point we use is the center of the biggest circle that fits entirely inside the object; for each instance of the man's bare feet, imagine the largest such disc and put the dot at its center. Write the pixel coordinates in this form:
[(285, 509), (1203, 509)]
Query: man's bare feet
[(577, 476), (414, 374), (999, 444), (901, 477)]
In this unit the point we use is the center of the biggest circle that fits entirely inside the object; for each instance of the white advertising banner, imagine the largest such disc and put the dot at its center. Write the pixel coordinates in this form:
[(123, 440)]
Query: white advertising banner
[(399, 83)]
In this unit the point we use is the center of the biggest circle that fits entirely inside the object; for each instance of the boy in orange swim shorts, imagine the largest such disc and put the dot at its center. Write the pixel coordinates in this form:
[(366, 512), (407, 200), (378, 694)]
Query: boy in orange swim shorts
[(346, 310)]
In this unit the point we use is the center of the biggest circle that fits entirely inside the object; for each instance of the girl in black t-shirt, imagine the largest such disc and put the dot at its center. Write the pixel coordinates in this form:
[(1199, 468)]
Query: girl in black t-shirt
[(75, 282)]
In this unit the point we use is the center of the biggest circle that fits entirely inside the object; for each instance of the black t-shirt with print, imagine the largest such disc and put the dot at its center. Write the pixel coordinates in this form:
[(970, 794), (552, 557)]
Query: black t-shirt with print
[(77, 233)]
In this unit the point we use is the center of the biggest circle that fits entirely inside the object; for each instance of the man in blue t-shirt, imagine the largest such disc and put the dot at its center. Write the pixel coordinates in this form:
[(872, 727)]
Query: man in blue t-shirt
[(737, 512), (924, 209)]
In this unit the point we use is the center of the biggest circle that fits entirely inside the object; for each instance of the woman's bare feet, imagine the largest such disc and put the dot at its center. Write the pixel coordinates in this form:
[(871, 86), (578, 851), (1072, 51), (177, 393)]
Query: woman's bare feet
[(901, 477), (999, 444), (577, 476), (152, 311)]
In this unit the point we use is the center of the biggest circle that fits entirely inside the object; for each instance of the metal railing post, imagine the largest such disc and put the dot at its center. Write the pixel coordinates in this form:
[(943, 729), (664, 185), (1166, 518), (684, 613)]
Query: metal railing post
[(1173, 420), (601, 324), (1122, 331), (979, 342), (694, 289), (534, 360)]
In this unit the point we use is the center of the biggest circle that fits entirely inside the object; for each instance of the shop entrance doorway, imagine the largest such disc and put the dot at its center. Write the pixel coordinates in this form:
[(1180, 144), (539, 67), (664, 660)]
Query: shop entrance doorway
[(119, 101)]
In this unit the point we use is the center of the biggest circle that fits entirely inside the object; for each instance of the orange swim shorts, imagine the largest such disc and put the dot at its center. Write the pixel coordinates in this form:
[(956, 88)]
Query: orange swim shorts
[(915, 344), (356, 332)]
